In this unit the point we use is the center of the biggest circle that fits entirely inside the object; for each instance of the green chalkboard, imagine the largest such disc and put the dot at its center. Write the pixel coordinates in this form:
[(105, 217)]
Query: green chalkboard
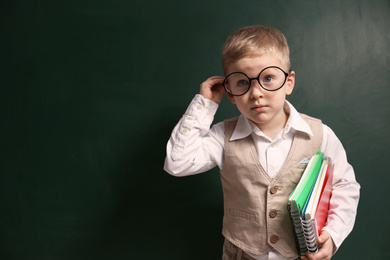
[(90, 91)]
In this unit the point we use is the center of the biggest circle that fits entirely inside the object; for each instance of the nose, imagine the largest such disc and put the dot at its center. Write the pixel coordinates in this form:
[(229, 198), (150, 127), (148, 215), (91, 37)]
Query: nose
[(255, 89)]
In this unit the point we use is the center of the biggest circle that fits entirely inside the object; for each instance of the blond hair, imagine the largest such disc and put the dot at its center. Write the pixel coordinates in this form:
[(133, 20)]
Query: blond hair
[(255, 41)]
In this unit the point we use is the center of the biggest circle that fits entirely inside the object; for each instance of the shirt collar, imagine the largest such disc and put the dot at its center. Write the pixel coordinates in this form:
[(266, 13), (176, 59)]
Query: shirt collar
[(245, 127)]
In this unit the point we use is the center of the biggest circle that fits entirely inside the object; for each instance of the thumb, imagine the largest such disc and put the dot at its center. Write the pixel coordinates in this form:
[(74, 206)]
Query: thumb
[(323, 237)]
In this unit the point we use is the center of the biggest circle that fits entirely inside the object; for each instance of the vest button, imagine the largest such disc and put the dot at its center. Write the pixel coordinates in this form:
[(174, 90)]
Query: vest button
[(273, 213), (273, 190), (274, 239)]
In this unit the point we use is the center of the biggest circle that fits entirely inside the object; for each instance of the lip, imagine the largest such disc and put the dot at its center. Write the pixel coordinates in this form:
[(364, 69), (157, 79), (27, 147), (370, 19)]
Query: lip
[(259, 108)]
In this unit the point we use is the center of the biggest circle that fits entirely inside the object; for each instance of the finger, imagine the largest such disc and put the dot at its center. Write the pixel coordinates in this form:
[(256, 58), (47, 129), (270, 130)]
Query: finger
[(217, 78), (213, 84), (307, 257), (323, 237), (216, 81), (212, 89), (210, 82), (326, 249)]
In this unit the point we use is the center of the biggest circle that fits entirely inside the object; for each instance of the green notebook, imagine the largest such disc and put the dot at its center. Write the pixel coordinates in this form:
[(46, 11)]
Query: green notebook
[(302, 191)]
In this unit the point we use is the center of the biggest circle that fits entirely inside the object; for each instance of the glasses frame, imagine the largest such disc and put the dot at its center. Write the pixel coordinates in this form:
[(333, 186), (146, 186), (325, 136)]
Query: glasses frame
[(258, 80)]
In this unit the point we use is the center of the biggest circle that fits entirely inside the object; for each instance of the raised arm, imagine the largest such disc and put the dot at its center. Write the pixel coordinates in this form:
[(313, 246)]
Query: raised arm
[(193, 147)]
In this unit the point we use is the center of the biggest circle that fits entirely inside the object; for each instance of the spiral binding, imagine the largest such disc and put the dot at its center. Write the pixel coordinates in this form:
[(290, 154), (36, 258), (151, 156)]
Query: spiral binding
[(299, 235), (311, 235)]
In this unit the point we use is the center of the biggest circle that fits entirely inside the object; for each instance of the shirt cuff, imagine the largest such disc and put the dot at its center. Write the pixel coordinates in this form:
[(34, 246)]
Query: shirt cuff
[(335, 239), (202, 109)]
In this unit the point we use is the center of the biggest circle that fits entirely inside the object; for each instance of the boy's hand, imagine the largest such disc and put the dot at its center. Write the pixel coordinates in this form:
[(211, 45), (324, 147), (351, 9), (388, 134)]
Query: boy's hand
[(326, 250), (212, 89)]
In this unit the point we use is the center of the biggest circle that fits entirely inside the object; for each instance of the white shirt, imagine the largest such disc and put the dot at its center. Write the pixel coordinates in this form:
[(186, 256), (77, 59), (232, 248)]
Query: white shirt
[(194, 148)]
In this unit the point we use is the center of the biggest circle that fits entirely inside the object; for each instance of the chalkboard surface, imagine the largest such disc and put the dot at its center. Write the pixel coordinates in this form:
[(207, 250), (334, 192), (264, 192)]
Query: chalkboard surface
[(90, 91)]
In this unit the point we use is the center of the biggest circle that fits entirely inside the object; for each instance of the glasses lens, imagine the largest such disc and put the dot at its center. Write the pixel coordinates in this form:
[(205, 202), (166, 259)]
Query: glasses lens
[(272, 78), (237, 83)]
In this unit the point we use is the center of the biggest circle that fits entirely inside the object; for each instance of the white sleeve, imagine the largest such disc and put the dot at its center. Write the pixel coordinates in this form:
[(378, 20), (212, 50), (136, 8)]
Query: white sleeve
[(346, 190), (193, 147)]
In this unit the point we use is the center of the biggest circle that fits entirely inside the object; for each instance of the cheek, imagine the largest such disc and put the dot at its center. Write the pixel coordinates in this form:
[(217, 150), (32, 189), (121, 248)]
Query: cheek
[(276, 98), (240, 102)]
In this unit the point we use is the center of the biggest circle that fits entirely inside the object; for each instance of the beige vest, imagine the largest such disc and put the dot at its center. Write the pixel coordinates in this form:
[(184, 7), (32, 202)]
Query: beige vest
[(255, 205)]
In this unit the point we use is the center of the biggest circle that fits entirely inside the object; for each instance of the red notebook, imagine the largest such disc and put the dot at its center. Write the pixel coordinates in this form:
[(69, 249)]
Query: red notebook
[(323, 204)]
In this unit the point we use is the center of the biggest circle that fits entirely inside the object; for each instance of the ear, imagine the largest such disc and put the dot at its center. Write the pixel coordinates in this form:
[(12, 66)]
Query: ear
[(230, 97), (290, 82)]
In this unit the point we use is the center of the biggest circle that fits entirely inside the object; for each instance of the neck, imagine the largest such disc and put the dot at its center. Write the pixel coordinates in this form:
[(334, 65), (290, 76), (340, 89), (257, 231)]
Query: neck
[(273, 131), (273, 128)]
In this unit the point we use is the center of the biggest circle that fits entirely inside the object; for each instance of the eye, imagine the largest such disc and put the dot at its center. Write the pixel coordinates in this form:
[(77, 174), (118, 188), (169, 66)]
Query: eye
[(268, 78), (242, 83)]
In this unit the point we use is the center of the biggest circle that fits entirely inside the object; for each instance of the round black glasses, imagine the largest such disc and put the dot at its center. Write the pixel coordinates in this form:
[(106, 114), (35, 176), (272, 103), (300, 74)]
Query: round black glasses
[(271, 79)]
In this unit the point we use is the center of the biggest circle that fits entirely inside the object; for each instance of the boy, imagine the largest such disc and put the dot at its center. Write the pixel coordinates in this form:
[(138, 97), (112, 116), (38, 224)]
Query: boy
[(263, 152)]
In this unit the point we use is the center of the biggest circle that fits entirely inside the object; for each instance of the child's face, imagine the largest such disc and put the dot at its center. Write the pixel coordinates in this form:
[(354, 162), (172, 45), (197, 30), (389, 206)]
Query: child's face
[(264, 108)]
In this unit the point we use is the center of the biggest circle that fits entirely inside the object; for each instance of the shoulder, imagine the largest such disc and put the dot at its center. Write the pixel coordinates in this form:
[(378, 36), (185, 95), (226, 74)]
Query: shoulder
[(327, 131), (310, 119), (315, 124), (329, 139)]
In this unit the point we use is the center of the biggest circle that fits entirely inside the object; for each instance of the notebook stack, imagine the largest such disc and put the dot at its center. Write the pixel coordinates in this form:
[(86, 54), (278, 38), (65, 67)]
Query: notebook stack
[(309, 203)]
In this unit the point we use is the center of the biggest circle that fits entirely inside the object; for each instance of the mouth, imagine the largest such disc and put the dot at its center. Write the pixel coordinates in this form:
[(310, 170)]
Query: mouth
[(259, 108)]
